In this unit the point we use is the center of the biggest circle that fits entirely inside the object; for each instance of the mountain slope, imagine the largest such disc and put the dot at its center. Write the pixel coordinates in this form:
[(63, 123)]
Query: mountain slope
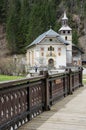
[(26, 19), (3, 43)]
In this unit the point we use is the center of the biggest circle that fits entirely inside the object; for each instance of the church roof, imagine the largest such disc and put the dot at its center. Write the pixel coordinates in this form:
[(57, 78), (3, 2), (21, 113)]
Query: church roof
[(65, 28), (77, 48), (49, 33)]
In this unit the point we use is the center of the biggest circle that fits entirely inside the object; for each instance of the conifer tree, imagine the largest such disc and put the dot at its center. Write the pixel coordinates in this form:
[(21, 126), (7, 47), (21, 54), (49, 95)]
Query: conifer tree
[(42, 15), (3, 10), (12, 25)]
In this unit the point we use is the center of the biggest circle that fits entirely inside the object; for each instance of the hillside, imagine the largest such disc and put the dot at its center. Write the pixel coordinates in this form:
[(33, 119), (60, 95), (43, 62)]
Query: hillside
[(3, 43), (25, 20)]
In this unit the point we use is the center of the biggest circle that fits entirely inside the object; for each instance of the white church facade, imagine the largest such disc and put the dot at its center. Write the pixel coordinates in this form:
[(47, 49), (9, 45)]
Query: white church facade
[(51, 49)]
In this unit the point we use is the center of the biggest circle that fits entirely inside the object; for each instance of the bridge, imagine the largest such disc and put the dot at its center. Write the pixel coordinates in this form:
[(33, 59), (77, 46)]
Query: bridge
[(67, 114), (28, 100)]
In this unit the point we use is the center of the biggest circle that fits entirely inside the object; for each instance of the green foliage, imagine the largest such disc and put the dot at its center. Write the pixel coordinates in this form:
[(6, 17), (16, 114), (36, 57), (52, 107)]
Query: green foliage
[(75, 37), (17, 25), (43, 14), (3, 10), (26, 19), (6, 78), (22, 26)]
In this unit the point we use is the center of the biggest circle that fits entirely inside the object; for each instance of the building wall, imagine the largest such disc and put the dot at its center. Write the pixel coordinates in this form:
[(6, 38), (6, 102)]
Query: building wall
[(77, 59), (30, 56), (40, 54), (61, 59), (69, 47), (69, 37)]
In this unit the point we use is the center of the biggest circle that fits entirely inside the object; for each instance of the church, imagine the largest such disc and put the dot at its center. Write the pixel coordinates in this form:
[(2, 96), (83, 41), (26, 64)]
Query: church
[(55, 50)]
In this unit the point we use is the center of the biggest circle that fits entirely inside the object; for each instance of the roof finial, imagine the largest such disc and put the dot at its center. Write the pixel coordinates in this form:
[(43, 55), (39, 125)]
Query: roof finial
[(65, 13), (65, 16), (50, 27)]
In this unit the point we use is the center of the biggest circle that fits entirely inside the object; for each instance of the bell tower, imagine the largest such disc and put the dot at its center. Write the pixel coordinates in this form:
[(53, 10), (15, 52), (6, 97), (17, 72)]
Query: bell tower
[(66, 33)]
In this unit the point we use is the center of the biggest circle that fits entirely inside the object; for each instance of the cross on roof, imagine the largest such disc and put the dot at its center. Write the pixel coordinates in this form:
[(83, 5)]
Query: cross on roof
[(50, 26)]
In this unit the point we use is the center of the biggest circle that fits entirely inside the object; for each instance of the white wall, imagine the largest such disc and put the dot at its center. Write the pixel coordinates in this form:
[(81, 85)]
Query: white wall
[(69, 37), (59, 60), (30, 53)]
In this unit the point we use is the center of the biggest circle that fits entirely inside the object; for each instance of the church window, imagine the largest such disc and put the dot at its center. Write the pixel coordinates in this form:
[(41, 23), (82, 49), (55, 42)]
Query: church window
[(59, 49), (48, 49), (42, 49), (66, 38), (42, 54), (59, 54), (63, 22), (68, 31), (50, 39), (51, 48)]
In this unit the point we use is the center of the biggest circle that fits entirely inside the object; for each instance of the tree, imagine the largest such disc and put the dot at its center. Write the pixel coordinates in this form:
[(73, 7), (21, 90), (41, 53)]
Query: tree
[(3, 10), (42, 15), (12, 25), (75, 37), (27, 19), (18, 16), (23, 26)]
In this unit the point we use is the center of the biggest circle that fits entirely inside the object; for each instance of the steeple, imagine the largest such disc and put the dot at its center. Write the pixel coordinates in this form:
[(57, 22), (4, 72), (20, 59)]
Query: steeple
[(65, 17), (64, 20), (65, 30), (66, 33)]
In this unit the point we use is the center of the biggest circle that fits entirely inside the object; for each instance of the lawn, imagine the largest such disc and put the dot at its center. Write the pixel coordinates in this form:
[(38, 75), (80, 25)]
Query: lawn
[(84, 76), (84, 79), (7, 78)]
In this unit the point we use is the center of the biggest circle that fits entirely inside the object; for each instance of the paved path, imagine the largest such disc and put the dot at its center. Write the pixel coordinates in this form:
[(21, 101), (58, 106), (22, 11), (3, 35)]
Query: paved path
[(68, 114)]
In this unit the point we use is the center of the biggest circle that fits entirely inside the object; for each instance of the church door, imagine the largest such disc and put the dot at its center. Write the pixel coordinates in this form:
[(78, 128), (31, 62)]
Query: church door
[(51, 63)]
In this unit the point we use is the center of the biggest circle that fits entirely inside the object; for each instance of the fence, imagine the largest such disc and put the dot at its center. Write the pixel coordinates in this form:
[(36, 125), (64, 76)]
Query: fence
[(22, 100)]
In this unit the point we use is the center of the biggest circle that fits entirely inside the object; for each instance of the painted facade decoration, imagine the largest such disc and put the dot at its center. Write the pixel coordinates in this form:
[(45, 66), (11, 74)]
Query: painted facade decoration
[(51, 49)]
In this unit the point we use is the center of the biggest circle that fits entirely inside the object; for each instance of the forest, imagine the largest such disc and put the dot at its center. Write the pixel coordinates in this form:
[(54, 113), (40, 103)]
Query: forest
[(24, 20)]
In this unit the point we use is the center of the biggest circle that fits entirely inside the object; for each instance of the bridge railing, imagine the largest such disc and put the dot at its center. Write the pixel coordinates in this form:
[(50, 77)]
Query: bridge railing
[(22, 100)]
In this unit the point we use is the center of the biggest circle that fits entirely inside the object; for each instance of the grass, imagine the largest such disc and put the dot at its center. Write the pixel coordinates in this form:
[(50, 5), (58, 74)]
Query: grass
[(84, 76), (7, 78), (84, 79)]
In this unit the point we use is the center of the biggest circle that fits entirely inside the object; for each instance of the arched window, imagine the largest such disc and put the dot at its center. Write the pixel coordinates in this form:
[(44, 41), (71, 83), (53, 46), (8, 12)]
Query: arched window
[(50, 40), (42, 54), (50, 48), (68, 32), (66, 38)]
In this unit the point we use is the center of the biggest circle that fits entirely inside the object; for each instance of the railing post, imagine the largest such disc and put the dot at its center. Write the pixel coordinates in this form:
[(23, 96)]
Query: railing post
[(65, 85), (47, 95), (81, 76), (51, 90), (70, 82), (29, 103), (47, 98)]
